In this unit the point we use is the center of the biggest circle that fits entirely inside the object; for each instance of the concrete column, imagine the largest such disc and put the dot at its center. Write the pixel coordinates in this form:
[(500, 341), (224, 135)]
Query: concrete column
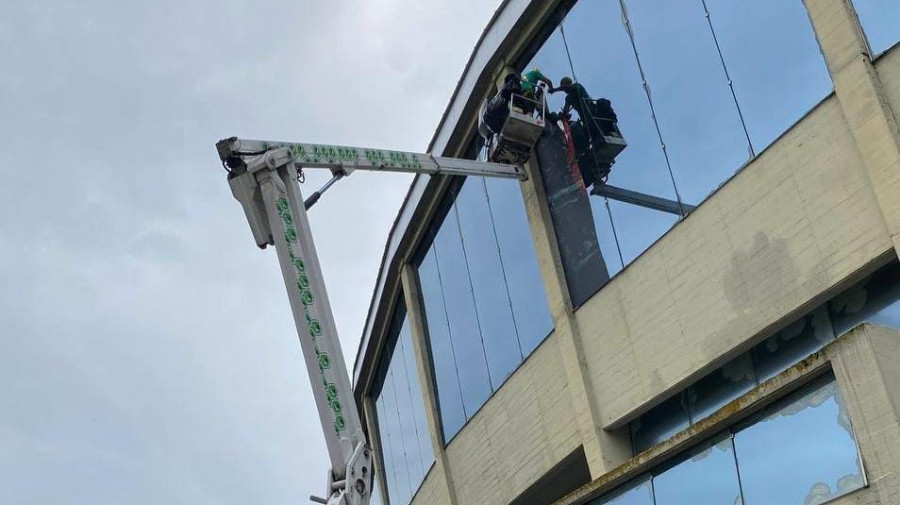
[(861, 95), (603, 451), (866, 370), (416, 319)]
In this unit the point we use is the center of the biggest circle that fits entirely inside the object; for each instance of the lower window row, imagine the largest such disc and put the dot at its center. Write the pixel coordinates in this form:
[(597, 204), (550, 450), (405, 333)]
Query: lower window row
[(800, 451)]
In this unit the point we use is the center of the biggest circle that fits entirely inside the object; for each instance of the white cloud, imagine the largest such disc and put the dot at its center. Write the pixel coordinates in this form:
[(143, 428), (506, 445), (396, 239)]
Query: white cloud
[(149, 355)]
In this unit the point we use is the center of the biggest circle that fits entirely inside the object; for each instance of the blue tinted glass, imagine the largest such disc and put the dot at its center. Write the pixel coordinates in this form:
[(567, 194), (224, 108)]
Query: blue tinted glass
[(792, 344), (387, 452), (873, 300), (495, 315), (659, 423), (802, 451), (416, 398), (774, 59), (636, 227), (394, 426), (464, 331), (604, 63), (708, 476), (881, 21), (520, 263), (717, 389), (605, 236), (639, 492), (408, 428), (694, 107), (442, 354)]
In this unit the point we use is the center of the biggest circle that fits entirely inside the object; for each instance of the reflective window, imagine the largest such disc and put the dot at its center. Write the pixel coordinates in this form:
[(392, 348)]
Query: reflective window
[(520, 264), (772, 54), (468, 346), (707, 475), (639, 492), (792, 344), (687, 110), (443, 357), (696, 113), (881, 21), (495, 318), (717, 389), (660, 423), (800, 451), (875, 299), (402, 428), (484, 299)]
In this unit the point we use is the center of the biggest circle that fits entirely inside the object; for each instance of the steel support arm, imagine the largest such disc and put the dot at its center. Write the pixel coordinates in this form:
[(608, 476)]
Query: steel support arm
[(270, 195), (343, 159)]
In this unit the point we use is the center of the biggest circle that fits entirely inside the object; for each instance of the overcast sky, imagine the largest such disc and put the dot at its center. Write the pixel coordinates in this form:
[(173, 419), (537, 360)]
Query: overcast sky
[(148, 353)]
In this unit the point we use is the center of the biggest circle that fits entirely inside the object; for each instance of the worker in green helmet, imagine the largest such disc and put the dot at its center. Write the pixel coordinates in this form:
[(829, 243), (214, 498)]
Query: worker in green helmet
[(530, 86)]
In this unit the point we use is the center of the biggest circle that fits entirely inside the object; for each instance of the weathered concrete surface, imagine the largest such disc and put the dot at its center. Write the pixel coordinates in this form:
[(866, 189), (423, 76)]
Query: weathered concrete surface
[(793, 224), (864, 362), (526, 428)]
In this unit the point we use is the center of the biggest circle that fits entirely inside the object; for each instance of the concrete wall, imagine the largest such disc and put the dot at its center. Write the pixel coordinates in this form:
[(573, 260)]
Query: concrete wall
[(520, 434), (793, 224)]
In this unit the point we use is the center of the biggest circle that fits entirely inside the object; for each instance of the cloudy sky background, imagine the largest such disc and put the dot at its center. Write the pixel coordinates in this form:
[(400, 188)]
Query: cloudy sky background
[(148, 354)]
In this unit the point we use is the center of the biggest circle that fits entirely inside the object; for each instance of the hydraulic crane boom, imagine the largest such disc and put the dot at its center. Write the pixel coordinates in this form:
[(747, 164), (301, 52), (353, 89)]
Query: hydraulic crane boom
[(264, 178)]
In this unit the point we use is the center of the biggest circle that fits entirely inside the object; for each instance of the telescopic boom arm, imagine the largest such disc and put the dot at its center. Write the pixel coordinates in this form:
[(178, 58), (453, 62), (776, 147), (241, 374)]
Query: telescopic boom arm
[(264, 178)]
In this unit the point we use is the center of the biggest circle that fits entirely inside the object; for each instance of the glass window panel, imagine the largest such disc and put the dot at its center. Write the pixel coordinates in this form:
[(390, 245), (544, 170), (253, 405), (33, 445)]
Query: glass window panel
[(659, 424), (639, 492), (408, 429), (442, 354), (792, 344), (464, 331), (418, 401), (495, 318), (636, 227), (708, 475), (523, 275), (774, 59), (694, 107), (387, 453), (801, 451), (606, 237), (873, 300), (392, 423), (717, 389), (881, 21), (604, 63)]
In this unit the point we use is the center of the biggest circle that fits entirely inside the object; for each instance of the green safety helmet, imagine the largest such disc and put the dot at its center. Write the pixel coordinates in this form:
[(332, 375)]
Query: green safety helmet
[(565, 81)]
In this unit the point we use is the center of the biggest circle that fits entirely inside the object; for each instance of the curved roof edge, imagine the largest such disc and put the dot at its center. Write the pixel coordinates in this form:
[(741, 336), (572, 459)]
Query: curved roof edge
[(503, 30)]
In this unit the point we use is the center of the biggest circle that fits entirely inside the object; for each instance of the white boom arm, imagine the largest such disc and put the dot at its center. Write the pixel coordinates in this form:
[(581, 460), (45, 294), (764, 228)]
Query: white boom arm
[(263, 178)]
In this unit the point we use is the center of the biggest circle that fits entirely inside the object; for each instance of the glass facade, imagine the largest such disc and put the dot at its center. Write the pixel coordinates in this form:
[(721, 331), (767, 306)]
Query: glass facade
[(800, 450), (881, 21), (875, 299), (406, 448), (483, 296), (686, 115)]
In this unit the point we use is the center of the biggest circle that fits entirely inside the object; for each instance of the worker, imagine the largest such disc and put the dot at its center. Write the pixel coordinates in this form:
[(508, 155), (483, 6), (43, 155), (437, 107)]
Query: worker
[(531, 88), (496, 110), (597, 120)]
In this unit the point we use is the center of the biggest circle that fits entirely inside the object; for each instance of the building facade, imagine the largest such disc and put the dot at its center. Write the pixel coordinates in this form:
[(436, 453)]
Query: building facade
[(529, 343)]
